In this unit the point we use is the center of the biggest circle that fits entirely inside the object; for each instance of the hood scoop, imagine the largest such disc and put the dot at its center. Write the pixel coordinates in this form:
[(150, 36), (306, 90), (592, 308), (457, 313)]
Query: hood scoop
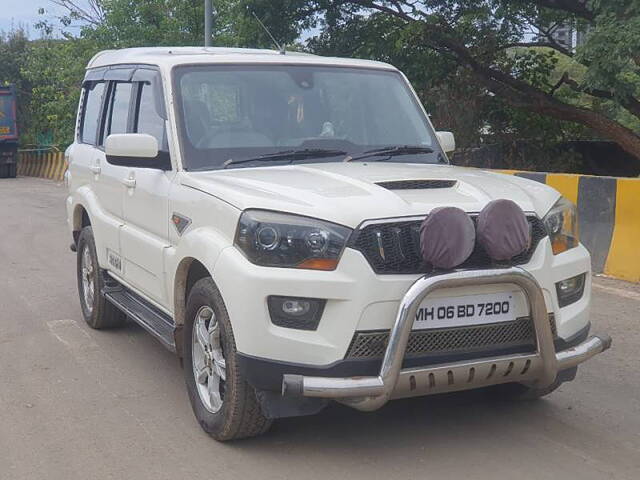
[(416, 184)]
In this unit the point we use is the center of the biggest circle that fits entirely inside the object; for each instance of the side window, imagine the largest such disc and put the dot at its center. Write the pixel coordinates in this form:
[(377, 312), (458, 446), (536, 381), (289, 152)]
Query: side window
[(92, 112), (149, 121), (118, 117)]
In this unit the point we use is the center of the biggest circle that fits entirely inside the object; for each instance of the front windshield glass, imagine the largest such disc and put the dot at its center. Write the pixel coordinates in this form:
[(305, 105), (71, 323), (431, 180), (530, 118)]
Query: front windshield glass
[(232, 113)]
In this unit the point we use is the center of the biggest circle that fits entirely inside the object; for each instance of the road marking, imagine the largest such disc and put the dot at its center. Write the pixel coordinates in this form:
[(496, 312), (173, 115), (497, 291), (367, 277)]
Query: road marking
[(618, 291), (68, 332)]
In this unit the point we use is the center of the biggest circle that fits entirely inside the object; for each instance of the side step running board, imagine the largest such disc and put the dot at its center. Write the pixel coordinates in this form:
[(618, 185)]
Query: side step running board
[(156, 322)]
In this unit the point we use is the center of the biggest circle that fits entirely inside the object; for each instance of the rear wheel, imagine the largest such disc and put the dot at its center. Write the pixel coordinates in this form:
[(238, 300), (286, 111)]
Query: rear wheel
[(4, 171), (224, 404), (13, 170), (96, 310)]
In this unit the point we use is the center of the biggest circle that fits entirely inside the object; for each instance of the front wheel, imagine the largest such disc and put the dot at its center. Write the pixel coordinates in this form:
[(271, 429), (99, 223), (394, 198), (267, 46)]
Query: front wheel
[(223, 402), (96, 310)]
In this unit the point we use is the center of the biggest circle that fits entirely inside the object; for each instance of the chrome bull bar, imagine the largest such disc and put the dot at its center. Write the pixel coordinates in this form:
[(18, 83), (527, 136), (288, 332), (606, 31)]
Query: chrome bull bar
[(539, 369)]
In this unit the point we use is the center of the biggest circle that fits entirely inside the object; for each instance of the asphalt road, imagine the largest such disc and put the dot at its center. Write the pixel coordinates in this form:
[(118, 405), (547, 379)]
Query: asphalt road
[(82, 404)]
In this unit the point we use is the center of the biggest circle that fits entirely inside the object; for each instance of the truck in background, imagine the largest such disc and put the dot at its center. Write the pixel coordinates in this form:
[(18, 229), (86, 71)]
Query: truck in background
[(8, 132)]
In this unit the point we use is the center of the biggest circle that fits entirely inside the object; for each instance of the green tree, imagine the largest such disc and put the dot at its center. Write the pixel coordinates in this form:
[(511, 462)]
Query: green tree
[(502, 46), (54, 68), (140, 23)]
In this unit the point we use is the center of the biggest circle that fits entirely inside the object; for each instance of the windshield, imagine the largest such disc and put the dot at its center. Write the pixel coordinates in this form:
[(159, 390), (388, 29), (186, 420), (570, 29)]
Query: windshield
[(232, 113)]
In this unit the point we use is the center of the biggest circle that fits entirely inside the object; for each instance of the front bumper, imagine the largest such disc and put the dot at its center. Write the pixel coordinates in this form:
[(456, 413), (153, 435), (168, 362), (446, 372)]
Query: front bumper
[(540, 368), (359, 301)]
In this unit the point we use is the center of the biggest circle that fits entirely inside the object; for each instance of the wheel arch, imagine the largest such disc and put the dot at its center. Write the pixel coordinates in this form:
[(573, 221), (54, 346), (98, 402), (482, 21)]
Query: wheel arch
[(80, 220), (189, 271)]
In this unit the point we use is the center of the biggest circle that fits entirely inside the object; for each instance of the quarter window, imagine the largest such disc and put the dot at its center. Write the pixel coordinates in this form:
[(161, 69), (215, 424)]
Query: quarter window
[(91, 113), (119, 115), (149, 121)]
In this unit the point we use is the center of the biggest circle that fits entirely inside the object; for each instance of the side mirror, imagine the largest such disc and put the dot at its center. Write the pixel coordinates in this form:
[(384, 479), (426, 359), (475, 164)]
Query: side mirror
[(447, 141), (137, 150)]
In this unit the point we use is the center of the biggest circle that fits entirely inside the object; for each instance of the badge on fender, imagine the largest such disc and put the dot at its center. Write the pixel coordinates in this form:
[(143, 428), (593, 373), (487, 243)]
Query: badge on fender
[(180, 222)]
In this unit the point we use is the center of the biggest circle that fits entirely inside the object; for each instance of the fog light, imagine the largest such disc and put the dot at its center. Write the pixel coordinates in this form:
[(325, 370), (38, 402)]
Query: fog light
[(570, 290), (295, 312), (296, 308)]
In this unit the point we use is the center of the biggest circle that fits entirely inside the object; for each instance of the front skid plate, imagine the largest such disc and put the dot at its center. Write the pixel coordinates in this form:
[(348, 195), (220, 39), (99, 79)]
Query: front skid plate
[(467, 375)]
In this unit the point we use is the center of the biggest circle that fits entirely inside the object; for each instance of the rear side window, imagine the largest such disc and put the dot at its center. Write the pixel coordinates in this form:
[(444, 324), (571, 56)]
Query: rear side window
[(91, 113), (149, 121), (118, 118)]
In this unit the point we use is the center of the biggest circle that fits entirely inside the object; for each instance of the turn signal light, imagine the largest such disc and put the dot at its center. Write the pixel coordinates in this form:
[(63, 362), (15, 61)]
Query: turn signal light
[(326, 264)]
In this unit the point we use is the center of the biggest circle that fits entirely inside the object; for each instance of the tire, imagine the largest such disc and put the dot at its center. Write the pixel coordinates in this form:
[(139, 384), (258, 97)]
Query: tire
[(236, 412), (4, 171), (520, 392), (13, 170), (96, 310)]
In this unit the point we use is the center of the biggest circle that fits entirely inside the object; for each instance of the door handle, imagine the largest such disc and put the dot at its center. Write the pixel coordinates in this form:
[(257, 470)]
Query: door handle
[(129, 182), (95, 169)]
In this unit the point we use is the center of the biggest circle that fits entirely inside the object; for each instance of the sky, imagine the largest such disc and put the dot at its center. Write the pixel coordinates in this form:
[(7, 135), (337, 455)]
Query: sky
[(24, 13)]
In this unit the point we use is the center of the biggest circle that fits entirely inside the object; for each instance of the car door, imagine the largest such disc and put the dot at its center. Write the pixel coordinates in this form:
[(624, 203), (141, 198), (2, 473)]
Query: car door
[(104, 181), (144, 235)]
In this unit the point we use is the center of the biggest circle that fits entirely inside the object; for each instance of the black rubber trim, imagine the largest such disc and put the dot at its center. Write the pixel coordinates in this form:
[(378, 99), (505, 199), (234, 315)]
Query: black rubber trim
[(265, 374), (578, 337)]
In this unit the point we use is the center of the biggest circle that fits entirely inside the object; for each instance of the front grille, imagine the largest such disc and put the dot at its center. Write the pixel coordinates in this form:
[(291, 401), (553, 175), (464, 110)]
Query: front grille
[(416, 184), (473, 339), (394, 247)]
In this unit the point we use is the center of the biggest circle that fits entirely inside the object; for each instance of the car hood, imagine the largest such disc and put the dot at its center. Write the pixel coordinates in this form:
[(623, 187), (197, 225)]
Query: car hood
[(349, 193)]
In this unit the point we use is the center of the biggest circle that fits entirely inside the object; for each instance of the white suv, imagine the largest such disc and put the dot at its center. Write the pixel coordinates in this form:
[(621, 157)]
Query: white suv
[(261, 214)]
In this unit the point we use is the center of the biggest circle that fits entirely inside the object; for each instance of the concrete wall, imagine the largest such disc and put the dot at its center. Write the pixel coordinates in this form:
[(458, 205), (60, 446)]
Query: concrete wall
[(608, 215), (51, 165)]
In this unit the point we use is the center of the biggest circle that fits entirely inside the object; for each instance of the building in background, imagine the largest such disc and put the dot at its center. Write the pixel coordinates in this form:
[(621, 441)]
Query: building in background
[(563, 34), (568, 36)]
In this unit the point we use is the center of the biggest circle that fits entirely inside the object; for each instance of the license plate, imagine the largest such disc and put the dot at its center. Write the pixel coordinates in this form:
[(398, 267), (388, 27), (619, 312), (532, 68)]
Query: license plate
[(465, 310), (4, 130)]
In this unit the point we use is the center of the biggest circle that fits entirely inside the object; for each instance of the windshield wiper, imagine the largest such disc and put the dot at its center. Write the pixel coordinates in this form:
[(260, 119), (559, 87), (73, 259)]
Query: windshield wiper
[(389, 152), (290, 155)]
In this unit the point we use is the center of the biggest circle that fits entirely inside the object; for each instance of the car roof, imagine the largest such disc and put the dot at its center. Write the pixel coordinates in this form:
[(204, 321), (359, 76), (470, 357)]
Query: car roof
[(167, 57)]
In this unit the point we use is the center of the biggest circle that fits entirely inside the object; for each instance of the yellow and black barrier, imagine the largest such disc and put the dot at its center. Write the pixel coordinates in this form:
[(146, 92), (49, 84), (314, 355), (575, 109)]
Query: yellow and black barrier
[(51, 165), (608, 218)]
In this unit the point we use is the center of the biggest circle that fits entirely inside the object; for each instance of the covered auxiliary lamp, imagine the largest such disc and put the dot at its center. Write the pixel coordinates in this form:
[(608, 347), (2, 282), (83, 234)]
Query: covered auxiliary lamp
[(448, 236)]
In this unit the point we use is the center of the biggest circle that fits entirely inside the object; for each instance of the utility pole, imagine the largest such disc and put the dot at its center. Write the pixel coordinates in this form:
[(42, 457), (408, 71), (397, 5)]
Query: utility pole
[(208, 17)]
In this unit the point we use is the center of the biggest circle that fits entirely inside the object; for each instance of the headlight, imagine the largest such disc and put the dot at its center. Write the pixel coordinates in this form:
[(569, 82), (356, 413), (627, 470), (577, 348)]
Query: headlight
[(282, 240), (562, 226)]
